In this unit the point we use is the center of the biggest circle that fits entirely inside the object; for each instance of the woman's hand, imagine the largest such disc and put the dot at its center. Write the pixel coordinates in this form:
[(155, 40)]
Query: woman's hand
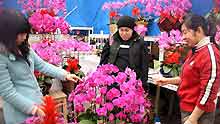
[(162, 81), (38, 111), (72, 77)]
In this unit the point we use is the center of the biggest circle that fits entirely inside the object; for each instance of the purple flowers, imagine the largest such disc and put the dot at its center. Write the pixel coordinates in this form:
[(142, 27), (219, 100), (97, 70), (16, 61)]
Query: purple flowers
[(126, 97)]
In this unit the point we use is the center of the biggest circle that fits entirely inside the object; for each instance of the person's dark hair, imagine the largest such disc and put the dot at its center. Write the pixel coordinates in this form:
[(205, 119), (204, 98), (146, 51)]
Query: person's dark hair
[(13, 23), (193, 21)]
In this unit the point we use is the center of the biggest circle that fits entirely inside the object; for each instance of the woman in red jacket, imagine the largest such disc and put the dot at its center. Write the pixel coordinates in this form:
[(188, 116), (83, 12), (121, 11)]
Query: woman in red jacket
[(200, 77)]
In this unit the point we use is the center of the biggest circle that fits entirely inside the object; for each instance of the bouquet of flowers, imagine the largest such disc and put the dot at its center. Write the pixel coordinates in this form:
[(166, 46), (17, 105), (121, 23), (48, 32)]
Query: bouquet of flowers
[(51, 115), (172, 44), (111, 97)]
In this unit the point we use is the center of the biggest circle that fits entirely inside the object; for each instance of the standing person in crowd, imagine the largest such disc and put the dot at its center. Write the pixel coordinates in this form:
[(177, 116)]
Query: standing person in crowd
[(18, 85), (200, 76), (126, 49)]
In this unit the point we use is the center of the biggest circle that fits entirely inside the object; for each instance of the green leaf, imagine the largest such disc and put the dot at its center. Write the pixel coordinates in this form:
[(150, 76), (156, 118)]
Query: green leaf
[(166, 69), (87, 122)]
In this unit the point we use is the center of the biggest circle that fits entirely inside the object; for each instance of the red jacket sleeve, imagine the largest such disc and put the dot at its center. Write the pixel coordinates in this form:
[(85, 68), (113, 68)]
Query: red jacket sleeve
[(209, 76)]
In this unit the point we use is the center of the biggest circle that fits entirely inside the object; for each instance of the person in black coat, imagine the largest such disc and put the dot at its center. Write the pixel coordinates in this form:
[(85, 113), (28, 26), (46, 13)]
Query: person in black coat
[(126, 49)]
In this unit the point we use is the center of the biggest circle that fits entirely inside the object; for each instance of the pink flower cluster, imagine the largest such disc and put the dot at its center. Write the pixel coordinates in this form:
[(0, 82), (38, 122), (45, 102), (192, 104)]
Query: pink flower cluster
[(56, 5), (38, 120), (113, 5), (140, 29), (166, 40), (51, 51), (217, 35), (108, 91), (155, 7), (45, 23)]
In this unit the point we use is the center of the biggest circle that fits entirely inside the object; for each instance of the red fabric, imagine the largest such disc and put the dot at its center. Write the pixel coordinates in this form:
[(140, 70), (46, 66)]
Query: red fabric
[(196, 73)]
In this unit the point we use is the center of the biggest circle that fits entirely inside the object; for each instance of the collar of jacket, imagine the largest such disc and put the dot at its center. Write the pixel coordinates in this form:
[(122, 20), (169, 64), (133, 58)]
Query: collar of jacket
[(205, 41), (116, 46), (134, 37)]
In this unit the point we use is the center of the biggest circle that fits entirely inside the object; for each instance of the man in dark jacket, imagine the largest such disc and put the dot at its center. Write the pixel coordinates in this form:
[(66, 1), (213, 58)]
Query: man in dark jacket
[(126, 49)]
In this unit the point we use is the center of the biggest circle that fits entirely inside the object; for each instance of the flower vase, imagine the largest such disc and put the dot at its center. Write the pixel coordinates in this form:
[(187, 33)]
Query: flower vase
[(68, 86)]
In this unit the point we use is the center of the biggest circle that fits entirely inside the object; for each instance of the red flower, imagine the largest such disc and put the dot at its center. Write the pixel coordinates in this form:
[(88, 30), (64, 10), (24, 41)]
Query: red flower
[(46, 11), (37, 73), (113, 14), (72, 65), (172, 58), (136, 11), (50, 110), (43, 11), (51, 12)]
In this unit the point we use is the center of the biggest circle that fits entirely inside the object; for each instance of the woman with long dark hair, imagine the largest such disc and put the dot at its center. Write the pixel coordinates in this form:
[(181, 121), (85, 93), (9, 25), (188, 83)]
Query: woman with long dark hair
[(18, 85), (200, 76)]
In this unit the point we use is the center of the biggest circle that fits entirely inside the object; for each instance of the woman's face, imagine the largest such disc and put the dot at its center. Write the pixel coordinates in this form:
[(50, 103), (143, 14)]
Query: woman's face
[(189, 36), (21, 38), (125, 33)]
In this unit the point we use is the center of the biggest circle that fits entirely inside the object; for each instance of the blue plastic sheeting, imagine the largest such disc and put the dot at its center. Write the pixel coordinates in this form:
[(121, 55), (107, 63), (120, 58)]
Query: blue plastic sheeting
[(89, 13)]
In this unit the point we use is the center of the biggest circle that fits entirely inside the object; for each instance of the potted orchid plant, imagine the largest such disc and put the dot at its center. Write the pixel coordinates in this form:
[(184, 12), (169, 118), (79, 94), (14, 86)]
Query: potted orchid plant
[(110, 96), (173, 47)]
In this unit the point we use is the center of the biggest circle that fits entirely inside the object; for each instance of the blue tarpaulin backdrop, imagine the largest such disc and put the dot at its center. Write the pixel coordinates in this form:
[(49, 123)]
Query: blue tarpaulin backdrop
[(89, 13)]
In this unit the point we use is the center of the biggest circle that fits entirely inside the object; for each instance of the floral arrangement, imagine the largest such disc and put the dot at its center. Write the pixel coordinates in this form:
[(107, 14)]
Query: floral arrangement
[(72, 66), (45, 21), (32, 5), (172, 44), (217, 35), (110, 96), (50, 51), (171, 12), (49, 107), (114, 7), (43, 15)]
